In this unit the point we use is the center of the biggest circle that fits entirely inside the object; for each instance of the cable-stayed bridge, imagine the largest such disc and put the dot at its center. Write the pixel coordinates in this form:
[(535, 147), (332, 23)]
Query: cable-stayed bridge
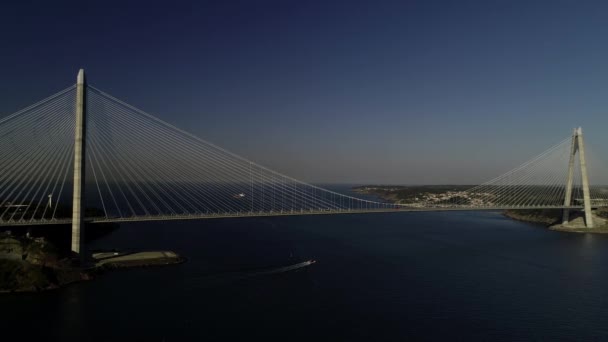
[(82, 155)]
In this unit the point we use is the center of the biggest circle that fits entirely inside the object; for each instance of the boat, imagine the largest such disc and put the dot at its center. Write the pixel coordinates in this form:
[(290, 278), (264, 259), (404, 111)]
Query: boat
[(287, 268)]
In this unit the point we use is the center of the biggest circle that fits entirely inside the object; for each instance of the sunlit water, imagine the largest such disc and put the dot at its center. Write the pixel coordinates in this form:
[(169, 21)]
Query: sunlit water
[(431, 276)]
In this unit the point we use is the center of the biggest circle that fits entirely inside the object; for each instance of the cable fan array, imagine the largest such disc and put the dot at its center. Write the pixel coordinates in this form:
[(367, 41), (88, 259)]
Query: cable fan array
[(36, 150), (141, 166), (539, 182)]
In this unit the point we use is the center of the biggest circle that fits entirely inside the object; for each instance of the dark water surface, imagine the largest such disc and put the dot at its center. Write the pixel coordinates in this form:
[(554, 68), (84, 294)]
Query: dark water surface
[(424, 276)]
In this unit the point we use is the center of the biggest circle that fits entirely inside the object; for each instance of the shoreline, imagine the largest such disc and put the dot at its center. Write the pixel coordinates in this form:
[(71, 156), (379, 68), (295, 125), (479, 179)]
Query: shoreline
[(548, 218), (31, 265)]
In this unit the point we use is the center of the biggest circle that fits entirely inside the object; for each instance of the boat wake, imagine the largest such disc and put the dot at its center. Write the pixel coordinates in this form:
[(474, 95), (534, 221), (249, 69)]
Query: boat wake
[(283, 269), (240, 275)]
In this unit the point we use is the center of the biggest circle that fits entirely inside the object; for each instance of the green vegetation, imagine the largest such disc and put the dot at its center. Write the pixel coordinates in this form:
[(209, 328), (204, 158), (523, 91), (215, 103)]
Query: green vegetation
[(547, 217), (429, 195), (17, 275), (602, 212), (407, 194), (28, 264), (436, 195)]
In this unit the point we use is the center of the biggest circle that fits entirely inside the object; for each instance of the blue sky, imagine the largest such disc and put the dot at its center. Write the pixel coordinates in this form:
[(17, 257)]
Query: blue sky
[(404, 92)]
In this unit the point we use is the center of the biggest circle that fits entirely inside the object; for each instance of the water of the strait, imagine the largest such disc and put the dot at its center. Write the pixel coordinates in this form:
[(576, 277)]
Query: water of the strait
[(393, 276)]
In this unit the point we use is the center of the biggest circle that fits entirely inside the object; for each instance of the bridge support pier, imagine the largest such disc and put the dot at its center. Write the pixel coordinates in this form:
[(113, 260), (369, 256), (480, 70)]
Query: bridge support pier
[(578, 144), (79, 160)]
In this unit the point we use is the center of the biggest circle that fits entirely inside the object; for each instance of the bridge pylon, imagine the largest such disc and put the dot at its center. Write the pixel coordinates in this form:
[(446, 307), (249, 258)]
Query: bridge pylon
[(79, 169), (578, 145)]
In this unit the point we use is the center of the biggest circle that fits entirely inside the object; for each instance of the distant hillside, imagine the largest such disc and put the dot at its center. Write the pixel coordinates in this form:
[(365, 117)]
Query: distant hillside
[(409, 193)]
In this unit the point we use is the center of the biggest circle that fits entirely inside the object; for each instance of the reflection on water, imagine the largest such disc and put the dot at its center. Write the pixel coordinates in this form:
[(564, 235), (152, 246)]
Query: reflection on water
[(476, 275), (71, 311)]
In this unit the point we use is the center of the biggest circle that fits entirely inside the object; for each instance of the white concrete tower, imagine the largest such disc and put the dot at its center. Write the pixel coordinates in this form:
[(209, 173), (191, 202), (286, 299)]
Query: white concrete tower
[(578, 144), (79, 159)]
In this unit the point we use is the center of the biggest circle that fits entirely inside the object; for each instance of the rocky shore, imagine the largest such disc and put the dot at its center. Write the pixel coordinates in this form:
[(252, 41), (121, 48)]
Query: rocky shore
[(551, 218), (34, 264), (546, 217)]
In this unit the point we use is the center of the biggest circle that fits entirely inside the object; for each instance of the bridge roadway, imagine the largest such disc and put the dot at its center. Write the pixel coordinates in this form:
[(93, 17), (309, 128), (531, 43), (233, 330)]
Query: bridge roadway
[(272, 214)]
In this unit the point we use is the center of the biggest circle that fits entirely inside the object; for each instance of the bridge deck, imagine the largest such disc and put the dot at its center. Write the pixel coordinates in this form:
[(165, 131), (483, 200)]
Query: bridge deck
[(270, 214)]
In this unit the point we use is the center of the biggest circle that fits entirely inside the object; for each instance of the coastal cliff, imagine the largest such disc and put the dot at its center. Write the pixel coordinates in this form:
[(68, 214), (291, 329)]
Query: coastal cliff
[(28, 264), (35, 264)]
